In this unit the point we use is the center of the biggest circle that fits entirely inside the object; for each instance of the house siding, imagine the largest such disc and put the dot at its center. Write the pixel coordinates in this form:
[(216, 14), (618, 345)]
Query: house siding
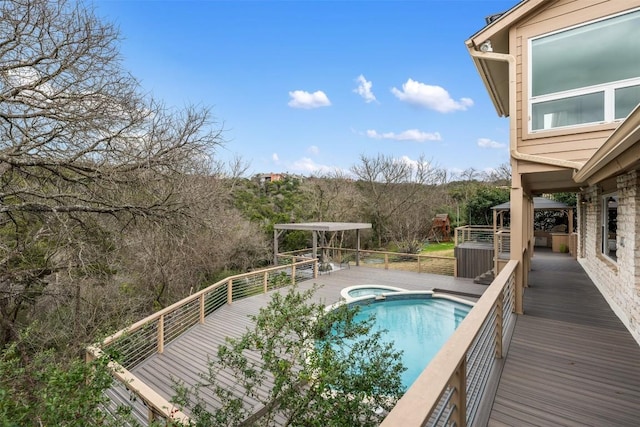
[(618, 281), (575, 144)]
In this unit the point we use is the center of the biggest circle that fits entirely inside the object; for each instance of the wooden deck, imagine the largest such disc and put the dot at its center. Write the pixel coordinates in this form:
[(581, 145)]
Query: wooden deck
[(187, 357), (571, 361)]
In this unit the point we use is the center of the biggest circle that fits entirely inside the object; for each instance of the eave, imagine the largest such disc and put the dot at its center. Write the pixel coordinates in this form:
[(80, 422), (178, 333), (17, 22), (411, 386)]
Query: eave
[(619, 153), (495, 75)]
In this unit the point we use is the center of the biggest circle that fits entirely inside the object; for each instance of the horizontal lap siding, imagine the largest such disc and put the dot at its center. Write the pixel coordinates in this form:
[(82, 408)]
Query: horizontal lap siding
[(573, 144)]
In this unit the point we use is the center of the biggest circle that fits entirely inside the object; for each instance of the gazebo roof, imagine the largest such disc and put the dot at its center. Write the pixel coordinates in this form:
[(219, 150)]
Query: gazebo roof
[(539, 204), (323, 226)]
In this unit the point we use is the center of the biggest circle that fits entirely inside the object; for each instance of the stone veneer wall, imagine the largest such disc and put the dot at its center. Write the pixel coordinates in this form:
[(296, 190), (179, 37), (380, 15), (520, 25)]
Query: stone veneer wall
[(619, 281)]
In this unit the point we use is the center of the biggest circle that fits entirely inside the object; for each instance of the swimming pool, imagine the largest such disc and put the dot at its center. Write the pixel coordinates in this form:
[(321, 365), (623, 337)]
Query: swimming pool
[(418, 323)]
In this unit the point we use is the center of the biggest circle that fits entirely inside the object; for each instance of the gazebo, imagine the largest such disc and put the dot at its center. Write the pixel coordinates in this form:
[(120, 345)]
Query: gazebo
[(556, 237), (319, 228)]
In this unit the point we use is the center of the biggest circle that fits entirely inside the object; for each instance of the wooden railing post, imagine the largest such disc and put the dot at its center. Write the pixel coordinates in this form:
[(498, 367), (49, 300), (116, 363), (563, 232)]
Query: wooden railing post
[(315, 269), (265, 282), (201, 308), (161, 334), (386, 261), (230, 291), (459, 397), (293, 274), (499, 322)]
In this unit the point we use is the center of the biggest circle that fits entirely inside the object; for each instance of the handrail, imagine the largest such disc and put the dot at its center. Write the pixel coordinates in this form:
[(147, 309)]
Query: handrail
[(442, 395), (150, 334)]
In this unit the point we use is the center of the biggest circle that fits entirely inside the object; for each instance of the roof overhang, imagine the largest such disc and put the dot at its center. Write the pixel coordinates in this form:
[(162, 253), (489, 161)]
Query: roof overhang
[(323, 226), (495, 74), (539, 204), (619, 153)]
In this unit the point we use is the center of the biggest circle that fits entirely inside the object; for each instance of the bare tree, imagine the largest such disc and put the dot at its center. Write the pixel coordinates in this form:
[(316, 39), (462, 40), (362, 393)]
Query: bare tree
[(82, 153), (334, 197), (391, 187)]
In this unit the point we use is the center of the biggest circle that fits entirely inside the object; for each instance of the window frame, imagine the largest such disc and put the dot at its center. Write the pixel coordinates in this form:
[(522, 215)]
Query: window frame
[(605, 248), (607, 88)]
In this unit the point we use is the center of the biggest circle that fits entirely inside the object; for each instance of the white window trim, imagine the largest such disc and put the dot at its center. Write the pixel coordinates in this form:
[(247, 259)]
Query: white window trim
[(607, 88), (609, 101)]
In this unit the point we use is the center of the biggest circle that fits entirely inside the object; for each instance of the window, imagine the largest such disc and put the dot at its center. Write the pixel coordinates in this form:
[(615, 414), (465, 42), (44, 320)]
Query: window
[(610, 225), (584, 75)]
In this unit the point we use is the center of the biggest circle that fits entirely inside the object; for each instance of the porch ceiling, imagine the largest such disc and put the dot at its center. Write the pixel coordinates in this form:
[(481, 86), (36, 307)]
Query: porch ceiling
[(550, 182)]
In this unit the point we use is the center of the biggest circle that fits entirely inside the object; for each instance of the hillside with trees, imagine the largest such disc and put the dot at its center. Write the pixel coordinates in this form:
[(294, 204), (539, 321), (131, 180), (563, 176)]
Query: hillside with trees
[(113, 205)]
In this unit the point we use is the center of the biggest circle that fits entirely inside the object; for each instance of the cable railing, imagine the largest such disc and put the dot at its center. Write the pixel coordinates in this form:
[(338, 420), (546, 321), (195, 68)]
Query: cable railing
[(473, 233), (133, 345), (419, 263), (502, 244), (450, 390)]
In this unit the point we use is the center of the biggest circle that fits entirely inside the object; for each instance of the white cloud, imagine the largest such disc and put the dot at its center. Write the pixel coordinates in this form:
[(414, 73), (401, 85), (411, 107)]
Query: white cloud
[(313, 150), (407, 135), (307, 100), (413, 163), (489, 143), (275, 157), (364, 89), (432, 97), (306, 165)]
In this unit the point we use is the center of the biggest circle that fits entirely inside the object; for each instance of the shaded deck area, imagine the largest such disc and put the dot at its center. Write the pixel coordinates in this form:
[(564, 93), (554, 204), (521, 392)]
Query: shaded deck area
[(571, 361), (187, 356)]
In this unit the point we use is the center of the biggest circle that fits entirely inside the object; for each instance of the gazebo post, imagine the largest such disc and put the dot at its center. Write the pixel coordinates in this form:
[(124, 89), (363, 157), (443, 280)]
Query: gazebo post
[(570, 215), (357, 247), (275, 246), (314, 252)]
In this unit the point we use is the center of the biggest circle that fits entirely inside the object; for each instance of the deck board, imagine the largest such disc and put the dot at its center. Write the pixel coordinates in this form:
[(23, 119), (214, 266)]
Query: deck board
[(571, 361)]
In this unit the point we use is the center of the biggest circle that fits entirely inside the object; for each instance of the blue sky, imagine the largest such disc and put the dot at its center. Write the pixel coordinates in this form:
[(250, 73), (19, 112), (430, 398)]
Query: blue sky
[(308, 87)]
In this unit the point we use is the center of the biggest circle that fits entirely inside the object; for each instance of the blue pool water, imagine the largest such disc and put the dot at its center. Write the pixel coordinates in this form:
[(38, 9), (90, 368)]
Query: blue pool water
[(419, 326), (360, 292)]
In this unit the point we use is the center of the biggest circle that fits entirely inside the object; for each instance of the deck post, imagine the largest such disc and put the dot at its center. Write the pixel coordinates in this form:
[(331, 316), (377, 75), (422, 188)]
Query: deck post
[(517, 238), (315, 269), (161, 334), (230, 291), (201, 308), (293, 274)]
